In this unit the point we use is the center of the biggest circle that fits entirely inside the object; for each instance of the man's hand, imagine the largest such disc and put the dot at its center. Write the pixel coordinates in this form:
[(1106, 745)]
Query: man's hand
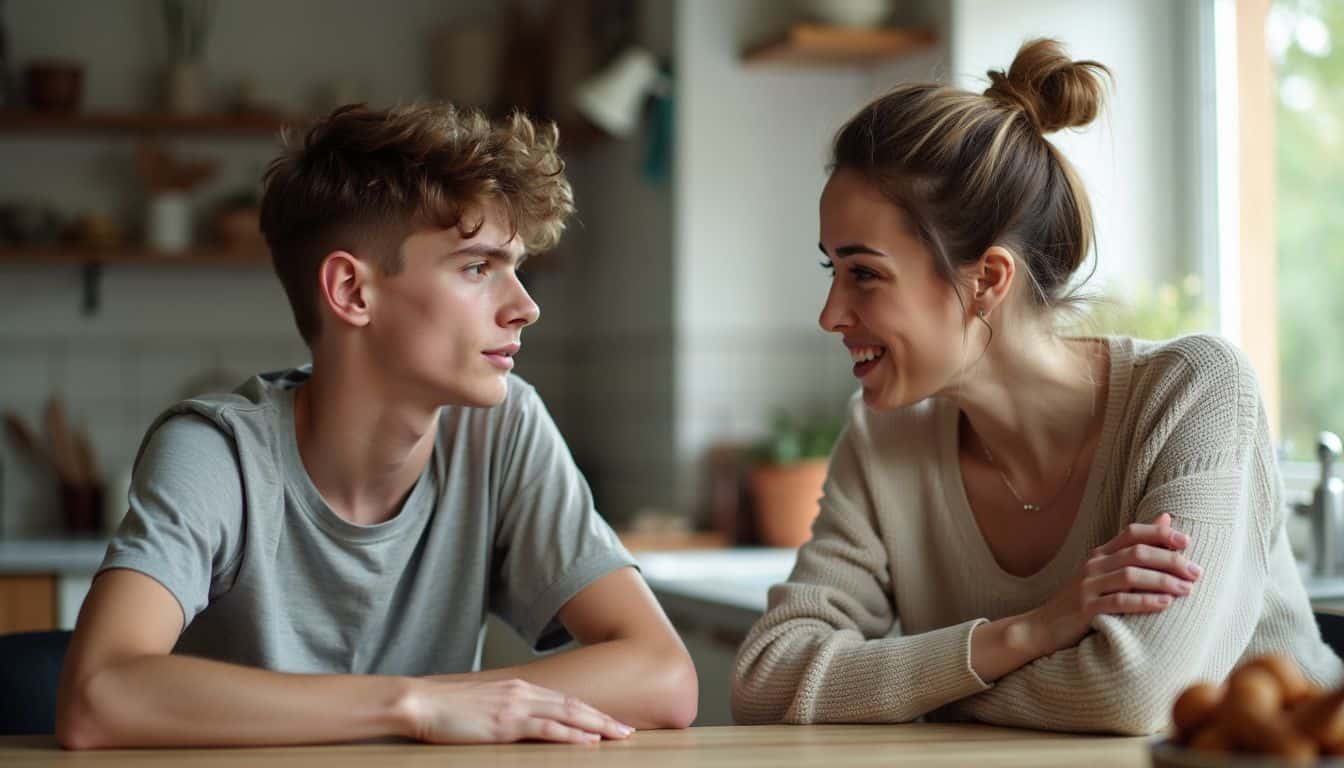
[(504, 711)]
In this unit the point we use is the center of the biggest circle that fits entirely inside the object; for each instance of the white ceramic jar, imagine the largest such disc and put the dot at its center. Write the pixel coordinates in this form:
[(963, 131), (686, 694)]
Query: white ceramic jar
[(168, 222)]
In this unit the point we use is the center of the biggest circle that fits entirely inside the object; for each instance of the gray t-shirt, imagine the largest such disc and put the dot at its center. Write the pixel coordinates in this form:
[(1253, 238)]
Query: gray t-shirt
[(223, 514)]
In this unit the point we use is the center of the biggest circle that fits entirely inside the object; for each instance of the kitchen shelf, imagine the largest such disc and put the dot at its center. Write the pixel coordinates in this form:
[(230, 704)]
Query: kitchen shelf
[(92, 260), (252, 256), (818, 44), (223, 124)]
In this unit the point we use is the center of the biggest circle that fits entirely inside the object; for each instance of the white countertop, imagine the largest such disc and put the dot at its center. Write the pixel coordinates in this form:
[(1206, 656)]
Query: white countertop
[(62, 556), (723, 588), (736, 576), (726, 589)]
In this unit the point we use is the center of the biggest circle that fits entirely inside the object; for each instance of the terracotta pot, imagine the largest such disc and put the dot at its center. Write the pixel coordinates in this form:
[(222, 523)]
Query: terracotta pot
[(787, 499)]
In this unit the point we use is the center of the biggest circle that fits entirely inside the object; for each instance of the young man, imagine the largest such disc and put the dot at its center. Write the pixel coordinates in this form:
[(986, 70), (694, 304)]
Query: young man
[(311, 558)]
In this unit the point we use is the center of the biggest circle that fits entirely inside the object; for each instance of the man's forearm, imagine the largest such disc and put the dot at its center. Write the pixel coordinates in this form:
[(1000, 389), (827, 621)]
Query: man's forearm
[(638, 683), (165, 700)]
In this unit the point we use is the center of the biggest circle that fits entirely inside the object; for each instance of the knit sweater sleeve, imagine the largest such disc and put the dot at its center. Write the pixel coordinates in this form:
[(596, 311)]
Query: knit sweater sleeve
[(1212, 468), (820, 653)]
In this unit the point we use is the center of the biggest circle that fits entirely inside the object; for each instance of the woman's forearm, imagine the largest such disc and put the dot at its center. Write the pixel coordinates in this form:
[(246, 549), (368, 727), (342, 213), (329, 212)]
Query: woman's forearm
[(1006, 645)]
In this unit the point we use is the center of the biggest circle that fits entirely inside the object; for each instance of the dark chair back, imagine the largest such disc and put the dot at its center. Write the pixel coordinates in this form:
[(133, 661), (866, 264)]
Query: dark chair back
[(1332, 630), (30, 670)]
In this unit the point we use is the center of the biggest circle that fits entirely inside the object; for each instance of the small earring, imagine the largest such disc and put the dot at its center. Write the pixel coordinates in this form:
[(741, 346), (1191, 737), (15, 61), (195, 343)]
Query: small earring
[(980, 313)]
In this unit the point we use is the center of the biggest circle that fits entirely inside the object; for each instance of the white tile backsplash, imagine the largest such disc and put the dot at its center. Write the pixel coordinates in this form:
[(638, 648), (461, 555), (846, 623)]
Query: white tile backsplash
[(112, 385), (91, 375), (158, 372), (25, 373)]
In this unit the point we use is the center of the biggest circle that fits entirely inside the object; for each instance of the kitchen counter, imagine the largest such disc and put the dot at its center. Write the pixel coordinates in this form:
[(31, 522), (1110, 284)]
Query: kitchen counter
[(725, 589), (55, 556), (43, 582), (721, 589)]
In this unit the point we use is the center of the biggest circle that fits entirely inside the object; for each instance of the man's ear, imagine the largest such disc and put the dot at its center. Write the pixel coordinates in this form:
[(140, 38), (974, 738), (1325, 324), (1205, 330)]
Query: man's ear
[(990, 278), (346, 287)]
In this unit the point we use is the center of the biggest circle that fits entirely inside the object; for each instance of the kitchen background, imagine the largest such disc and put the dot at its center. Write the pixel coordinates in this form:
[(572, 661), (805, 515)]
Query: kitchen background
[(681, 309), (679, 314)]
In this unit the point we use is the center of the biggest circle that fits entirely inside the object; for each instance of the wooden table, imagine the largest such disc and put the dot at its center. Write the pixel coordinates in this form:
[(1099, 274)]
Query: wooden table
[(831, 746)]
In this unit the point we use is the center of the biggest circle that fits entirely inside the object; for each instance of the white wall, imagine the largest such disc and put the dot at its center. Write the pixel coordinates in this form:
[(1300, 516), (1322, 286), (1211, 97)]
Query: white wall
[(750, 165), (1134, 159), (752, 146)]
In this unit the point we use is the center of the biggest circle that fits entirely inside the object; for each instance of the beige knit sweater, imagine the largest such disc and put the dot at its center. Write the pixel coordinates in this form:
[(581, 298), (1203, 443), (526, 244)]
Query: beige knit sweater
[(1184, 432)]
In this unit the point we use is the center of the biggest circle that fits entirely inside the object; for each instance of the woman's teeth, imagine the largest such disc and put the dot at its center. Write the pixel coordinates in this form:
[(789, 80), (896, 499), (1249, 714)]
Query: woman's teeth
[(864, 354)]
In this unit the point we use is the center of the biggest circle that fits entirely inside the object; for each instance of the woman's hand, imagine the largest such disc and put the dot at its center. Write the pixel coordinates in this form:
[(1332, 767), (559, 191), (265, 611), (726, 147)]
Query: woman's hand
[(504, 711), (1141, 570)]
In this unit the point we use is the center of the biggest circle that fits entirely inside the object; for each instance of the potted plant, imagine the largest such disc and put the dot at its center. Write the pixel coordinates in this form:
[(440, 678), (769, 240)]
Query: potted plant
[(787, 477)]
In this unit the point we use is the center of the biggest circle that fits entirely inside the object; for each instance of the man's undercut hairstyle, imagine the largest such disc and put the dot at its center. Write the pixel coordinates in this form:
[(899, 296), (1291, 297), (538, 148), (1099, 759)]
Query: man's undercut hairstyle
[(361, 180)]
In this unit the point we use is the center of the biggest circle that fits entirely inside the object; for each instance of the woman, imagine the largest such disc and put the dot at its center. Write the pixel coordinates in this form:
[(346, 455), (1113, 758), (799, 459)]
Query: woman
[(1070, 531)]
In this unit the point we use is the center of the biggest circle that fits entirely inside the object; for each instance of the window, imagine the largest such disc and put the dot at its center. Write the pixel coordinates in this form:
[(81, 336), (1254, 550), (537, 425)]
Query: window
[(1274, 241), (1305, 40)]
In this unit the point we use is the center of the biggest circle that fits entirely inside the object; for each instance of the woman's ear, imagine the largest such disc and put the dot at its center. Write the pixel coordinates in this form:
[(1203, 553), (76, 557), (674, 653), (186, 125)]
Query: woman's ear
[(345, 286), (990, 279)]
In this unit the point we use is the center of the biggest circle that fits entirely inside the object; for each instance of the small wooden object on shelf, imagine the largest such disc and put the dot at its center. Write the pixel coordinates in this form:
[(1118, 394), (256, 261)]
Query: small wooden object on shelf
[(813, 44), (222, 124)]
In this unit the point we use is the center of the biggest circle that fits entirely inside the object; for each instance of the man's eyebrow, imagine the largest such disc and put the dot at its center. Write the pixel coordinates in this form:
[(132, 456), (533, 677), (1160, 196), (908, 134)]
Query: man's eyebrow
[(491, 252), (849, 250)]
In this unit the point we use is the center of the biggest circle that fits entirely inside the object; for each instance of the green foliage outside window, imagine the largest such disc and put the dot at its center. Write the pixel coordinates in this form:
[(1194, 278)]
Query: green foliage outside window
[(1306, 39), (1161, 311)]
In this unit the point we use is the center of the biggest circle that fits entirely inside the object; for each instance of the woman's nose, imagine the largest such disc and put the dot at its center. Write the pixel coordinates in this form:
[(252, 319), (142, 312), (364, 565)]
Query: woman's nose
[(835, 313)]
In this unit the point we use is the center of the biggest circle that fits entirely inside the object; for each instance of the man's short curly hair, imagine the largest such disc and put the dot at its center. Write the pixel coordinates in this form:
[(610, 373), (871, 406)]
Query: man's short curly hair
[(362, 180)]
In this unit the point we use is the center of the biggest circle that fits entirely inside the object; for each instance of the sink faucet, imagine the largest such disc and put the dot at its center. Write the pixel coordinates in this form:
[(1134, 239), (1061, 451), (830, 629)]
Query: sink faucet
[(1326, 509)]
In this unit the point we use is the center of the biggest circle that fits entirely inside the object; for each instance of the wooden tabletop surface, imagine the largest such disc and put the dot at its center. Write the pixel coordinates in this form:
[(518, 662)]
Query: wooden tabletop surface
[(831, 746)]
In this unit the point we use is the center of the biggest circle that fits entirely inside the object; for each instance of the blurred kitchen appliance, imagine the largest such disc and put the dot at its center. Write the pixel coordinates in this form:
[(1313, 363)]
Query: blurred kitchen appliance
[(1325, 511)]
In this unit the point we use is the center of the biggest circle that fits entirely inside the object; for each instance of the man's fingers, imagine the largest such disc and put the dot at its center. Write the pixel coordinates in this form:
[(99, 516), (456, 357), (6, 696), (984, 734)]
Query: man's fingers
[(575, 713), (546, 729)]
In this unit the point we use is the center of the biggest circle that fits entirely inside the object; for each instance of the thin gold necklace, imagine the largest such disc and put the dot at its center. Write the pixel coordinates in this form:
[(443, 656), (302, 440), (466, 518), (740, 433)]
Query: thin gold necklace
[(1026, 505)]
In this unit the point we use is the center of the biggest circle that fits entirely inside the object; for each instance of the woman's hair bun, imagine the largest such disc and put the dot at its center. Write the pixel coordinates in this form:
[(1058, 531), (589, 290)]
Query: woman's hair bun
[(1052, 90)]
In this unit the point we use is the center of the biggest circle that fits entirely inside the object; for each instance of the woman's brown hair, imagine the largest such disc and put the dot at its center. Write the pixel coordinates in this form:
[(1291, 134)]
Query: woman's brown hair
[(975, 170), (361, 180)]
